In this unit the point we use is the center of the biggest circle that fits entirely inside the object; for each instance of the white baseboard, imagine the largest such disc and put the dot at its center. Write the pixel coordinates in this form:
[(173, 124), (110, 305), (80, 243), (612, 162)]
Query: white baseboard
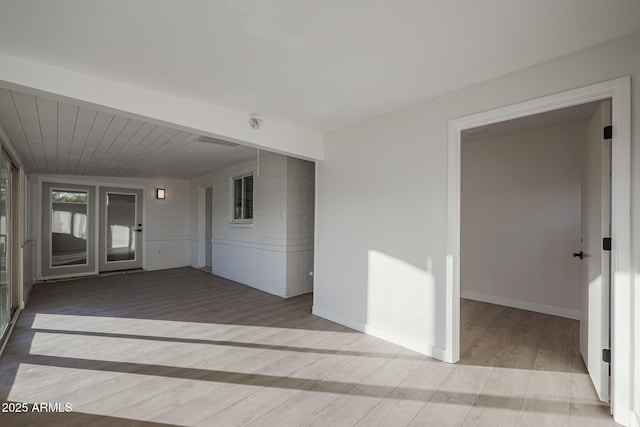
[(524, 305), (401, 340)]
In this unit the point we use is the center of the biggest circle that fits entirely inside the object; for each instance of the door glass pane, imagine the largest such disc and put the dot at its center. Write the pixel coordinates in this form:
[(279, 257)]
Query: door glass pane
[(121, 218), (68, 227), (5, 199)]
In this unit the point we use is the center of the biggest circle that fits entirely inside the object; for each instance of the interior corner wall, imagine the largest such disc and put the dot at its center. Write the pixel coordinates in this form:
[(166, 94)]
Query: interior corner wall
[(300, 224), (381, 219), (275, 252), (252, 254), (520, 219), (166, 233)]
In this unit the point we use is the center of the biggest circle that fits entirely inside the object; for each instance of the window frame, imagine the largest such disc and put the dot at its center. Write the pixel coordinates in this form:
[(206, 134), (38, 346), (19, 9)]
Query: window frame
[(243, 198)]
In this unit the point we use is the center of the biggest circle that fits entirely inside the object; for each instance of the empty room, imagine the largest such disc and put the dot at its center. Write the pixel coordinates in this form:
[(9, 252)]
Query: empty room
[(413, 213)]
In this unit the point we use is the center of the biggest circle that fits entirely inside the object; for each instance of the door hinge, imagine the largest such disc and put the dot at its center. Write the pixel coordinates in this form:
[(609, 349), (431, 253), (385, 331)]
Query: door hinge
[(608, 132), (606, 244), (606, 355)]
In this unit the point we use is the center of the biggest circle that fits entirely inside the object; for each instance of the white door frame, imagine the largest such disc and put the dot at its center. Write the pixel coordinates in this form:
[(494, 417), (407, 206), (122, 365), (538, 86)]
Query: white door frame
[(619, 91)]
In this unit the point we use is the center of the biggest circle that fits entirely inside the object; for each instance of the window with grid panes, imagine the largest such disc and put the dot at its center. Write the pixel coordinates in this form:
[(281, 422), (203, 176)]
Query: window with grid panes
[(243, 198)]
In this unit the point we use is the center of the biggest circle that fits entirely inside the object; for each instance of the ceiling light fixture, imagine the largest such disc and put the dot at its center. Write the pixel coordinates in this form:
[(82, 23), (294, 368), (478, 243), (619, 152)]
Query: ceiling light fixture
[(255, 122)]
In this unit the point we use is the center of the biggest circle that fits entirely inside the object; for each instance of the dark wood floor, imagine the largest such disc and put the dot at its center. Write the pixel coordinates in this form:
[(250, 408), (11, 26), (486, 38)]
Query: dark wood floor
[(183, 347)]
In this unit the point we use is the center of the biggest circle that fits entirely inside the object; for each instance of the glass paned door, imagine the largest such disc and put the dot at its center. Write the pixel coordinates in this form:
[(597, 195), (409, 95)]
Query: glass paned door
[(5, 244), (68, 229), (120, 229)]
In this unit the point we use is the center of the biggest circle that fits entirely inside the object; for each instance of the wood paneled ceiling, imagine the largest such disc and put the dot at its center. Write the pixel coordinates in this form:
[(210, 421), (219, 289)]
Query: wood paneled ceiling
[(55, 137)]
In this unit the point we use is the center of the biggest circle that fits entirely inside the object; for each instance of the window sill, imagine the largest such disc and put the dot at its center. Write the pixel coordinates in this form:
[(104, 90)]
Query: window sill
[(241, 224)]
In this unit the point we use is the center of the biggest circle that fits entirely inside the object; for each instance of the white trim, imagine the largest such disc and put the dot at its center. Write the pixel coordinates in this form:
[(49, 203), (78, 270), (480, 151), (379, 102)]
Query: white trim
[(401, 340), (619, 90), (523, 305)]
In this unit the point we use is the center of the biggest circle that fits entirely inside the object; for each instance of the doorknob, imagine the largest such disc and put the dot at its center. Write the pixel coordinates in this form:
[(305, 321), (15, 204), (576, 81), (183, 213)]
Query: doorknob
[(139, 229), (578, 255)]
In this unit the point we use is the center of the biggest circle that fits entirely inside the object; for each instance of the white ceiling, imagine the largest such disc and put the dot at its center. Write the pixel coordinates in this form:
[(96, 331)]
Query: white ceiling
[(320, 65), (59, 138)]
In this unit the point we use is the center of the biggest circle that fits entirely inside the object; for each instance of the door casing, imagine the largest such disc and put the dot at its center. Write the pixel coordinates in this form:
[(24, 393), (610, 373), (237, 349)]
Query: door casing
[(619, 91)]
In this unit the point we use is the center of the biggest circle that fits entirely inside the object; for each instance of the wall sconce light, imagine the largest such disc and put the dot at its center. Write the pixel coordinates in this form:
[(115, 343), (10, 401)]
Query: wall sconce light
[(161, 194)]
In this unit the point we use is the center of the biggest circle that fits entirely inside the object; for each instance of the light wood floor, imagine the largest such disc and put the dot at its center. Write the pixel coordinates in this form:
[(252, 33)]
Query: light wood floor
[(183, 347)]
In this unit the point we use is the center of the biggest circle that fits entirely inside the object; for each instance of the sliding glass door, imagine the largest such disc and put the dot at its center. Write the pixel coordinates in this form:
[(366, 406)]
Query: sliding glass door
[(5, 243)]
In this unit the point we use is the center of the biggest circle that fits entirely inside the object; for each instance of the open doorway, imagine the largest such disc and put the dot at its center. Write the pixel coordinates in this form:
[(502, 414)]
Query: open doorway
[(619, 92), (534, 208)]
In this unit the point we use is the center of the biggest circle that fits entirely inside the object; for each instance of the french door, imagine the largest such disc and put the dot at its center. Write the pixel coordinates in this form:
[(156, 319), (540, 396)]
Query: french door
[(68, 229), (120, 234), (88, 229)]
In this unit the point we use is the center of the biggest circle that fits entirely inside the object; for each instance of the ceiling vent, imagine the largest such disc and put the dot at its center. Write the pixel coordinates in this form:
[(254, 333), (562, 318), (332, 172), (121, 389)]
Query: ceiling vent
[(209, 140)]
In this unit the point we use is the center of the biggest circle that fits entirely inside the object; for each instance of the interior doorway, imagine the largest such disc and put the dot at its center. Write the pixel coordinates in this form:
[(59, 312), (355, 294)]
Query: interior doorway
[(619, 92), (535, 191)]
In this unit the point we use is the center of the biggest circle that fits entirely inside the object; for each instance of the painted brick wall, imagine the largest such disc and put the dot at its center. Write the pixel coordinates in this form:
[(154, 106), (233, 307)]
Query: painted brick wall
[(256, 254), (275, 253)]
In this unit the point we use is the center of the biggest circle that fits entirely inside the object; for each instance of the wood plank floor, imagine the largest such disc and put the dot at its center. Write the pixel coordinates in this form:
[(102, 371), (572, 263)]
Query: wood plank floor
[(183, 347)]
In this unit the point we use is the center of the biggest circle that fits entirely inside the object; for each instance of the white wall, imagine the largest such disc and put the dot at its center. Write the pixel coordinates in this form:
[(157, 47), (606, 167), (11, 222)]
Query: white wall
[(300, 222), (166, 225), (382, 193), (275, 252), (520, 219)]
